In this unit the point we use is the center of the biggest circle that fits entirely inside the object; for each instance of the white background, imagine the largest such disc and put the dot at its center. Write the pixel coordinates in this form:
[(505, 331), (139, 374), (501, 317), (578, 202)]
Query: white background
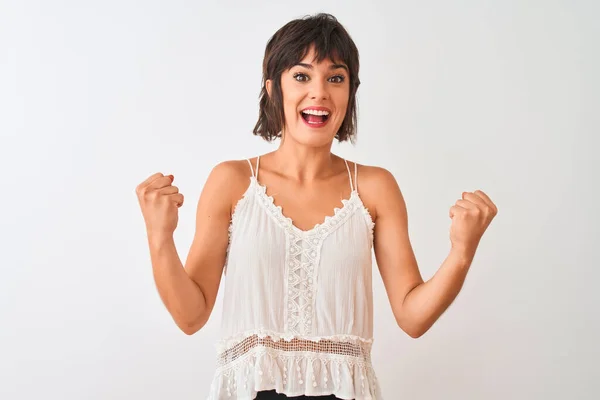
[(456, 96)]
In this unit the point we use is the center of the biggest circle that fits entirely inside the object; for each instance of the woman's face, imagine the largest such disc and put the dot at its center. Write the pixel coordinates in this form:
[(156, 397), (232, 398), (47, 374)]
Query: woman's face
[(315, 100)]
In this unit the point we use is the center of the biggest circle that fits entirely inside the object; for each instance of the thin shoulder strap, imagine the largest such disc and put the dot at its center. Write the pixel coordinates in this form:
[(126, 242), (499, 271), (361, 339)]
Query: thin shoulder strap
[(356, 177), (257, 161), (349, 174), (254, 174), (251, 167)]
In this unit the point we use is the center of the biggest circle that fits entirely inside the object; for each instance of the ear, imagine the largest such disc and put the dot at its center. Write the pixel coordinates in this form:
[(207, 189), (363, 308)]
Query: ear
[(268, 84)]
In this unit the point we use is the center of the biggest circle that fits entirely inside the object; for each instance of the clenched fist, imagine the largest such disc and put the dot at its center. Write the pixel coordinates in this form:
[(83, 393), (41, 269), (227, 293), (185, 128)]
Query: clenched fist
[(159, 201), (470, 218)]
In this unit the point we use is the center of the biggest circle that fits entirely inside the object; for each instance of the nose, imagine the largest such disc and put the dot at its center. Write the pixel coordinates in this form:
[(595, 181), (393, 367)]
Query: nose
[(318, 90)]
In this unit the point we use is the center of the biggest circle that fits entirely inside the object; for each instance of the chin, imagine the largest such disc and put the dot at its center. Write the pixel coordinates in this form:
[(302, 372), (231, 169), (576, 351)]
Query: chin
[(313, 138)]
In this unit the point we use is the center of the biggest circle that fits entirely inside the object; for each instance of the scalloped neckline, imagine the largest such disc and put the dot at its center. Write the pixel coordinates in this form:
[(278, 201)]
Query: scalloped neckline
[(290, 221)]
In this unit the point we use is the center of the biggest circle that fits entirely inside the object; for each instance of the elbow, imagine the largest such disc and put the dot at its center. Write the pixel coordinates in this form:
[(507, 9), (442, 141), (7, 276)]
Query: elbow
[(189, 327), (188, 330), (412, 329), (415, 334)]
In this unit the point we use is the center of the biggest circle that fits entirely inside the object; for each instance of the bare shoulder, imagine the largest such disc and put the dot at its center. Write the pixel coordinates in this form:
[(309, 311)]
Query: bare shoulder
[(231, 170), (230, 179), (370, 174), (378, 188)]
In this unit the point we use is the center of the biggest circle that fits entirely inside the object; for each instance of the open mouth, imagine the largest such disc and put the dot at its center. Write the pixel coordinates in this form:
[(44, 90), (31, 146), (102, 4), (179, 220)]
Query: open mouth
[(314, 117)]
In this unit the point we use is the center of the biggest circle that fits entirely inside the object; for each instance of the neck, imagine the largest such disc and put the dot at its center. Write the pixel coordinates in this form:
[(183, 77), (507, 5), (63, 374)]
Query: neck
[(303, 163)]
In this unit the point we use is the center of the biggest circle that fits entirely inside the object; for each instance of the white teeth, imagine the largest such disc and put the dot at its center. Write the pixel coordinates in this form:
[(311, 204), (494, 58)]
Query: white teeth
[(316, 112)]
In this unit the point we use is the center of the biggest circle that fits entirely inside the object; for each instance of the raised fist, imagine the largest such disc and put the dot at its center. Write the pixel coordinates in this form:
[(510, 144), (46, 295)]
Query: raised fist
[(159, 201), (471, 216)]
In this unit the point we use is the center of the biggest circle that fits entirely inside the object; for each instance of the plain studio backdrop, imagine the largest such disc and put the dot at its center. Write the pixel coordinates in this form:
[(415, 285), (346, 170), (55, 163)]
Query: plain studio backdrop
[(456, 96)]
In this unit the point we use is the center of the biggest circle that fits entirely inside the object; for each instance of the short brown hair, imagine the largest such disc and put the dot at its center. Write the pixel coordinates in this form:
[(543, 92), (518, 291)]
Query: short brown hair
[(287, 47)]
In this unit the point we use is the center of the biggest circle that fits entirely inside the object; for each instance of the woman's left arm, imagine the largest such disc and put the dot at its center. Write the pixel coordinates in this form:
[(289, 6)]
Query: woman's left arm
[(417, 304)]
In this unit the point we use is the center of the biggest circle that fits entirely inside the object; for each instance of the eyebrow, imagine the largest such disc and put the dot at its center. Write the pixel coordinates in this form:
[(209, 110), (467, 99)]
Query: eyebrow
[(332, 67)]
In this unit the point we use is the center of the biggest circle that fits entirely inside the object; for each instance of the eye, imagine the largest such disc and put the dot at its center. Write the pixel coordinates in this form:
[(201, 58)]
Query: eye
[(300, 77)]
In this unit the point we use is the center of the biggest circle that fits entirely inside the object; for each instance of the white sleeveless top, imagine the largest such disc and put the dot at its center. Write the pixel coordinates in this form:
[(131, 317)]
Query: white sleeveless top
[(298, 305)]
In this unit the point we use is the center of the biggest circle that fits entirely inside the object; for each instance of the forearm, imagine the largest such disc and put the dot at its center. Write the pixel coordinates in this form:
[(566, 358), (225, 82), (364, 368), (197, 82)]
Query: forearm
[(180, 294), (425, 303)]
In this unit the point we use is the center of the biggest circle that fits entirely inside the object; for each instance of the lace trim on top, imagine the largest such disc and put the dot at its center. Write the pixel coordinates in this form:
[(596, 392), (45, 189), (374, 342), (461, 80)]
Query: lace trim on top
[(319, 229), (356, 348), (287, 223), (225, 344), (324, 228), (296, 367)]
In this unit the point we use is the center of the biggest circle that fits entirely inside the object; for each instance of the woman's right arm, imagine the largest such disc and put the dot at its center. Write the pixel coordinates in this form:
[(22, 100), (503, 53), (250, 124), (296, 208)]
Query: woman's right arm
[(189, 293)]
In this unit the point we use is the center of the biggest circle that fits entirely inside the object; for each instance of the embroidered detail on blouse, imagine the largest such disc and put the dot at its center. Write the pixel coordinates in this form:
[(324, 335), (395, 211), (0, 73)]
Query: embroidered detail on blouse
[(296, 367)]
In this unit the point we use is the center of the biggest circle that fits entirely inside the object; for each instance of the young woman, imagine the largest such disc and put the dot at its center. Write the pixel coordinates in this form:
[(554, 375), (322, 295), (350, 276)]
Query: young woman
[(293, 231)]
